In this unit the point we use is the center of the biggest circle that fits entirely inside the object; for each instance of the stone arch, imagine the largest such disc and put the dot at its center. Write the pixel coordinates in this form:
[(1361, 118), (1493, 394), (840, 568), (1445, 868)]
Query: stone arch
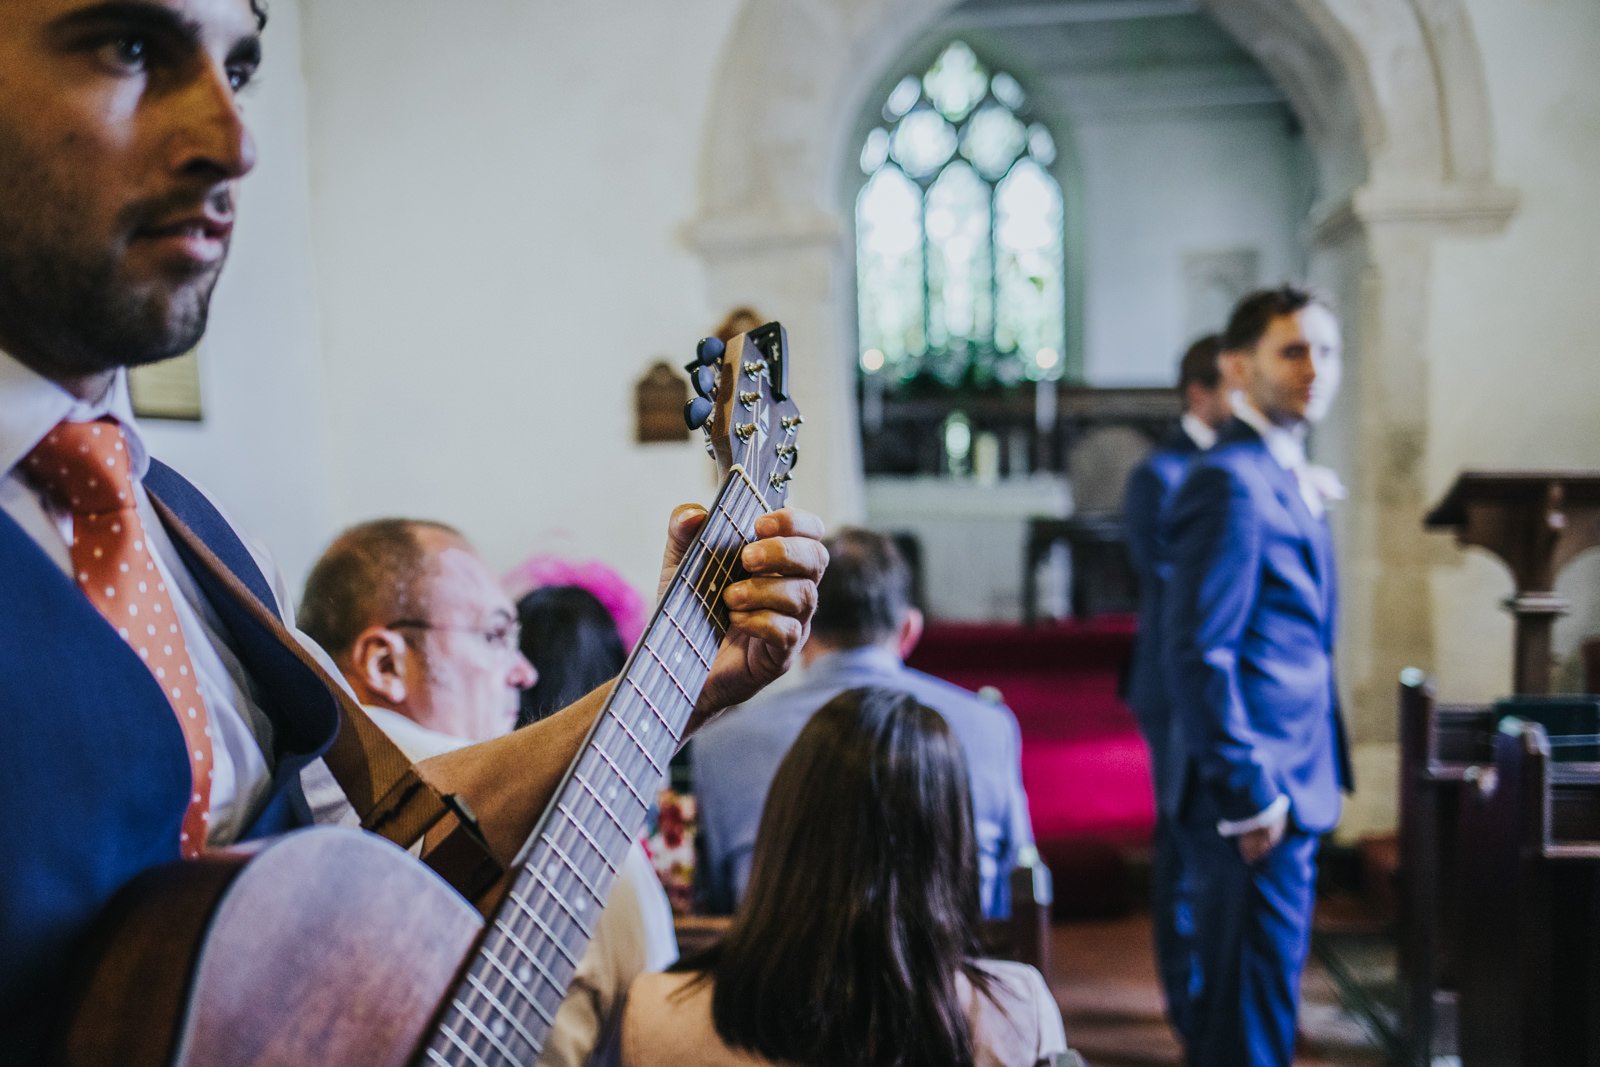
[(1394, 102)]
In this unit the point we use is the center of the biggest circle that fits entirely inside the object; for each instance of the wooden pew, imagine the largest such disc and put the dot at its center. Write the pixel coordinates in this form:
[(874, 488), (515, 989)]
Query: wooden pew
[(1439, 745), (1529, 853), (1443, 748), (1024, 937)]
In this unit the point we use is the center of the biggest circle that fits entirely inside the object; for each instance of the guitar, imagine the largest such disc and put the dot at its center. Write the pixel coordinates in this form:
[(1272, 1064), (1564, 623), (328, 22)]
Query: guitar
[(331, 946)]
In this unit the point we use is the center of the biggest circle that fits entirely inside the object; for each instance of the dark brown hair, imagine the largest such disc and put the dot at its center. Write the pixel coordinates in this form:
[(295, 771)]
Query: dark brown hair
[(865, 592), (862, 908), (572, 641), (1199, 364), (1255, 312)]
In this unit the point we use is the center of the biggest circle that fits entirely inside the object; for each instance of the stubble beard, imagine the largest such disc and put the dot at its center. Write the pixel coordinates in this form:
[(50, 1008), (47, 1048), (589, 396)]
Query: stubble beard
[(67, 309)]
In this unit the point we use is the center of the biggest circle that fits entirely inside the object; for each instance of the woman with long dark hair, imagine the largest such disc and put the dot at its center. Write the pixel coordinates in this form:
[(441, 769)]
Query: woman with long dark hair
[(856, 944), (571, 639)]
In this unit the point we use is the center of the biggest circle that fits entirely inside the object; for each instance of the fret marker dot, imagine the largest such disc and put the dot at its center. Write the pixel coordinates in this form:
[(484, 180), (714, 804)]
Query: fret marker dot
[(524, 974)]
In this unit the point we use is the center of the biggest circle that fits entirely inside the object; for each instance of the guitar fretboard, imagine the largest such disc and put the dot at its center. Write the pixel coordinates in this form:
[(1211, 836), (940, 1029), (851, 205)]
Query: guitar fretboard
[(507, 998)]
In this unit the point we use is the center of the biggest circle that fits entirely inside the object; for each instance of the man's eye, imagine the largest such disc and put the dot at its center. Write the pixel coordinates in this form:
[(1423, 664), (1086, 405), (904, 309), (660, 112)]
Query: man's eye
[(241, 76), (127, 53)]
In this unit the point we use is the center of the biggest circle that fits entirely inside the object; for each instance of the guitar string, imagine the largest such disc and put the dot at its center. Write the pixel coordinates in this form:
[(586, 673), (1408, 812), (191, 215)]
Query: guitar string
[(715, 562)]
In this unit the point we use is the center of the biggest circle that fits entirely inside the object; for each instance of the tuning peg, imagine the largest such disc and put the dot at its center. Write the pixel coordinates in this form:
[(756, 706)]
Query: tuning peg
[(709, 351), (696, 412), (790, 453), (705, 380)]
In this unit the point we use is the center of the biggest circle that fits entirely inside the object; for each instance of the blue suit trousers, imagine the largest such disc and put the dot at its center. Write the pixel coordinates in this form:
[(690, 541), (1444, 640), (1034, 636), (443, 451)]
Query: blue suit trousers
[(1254, 931)]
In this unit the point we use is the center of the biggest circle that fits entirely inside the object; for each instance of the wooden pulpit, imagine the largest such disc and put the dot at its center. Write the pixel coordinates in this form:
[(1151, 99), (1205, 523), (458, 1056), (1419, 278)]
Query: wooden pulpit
[(1536, 522)]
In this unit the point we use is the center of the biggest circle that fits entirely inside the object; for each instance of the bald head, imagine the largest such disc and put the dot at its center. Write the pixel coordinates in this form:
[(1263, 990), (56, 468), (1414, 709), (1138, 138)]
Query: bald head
[(419, 626), (371, 575)]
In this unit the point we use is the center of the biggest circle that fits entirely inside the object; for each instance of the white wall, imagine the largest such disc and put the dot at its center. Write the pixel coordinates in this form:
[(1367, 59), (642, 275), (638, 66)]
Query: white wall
[(262, 448), (499, 189), (1515, 365), (1158, 186)]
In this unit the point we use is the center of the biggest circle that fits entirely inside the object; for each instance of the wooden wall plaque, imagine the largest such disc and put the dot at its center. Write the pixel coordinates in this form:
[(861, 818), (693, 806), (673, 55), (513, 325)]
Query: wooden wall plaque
[(659, 398)]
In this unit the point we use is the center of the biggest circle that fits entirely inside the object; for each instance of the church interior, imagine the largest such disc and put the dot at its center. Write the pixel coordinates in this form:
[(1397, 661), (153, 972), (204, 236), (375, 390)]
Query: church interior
[(478, 232)]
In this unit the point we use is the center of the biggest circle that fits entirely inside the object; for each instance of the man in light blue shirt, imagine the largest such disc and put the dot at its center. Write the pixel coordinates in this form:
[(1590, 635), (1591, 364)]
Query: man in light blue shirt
[(864, 628)]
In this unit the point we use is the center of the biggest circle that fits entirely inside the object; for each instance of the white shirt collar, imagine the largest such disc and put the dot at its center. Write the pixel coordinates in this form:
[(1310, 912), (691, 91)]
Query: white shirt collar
[(1202, 435), (410, 737), (1286, 443), (31, 405)]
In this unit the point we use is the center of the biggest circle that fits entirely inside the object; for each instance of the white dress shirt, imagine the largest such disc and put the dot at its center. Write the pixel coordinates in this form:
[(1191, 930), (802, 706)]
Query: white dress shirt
[(1201, 434)]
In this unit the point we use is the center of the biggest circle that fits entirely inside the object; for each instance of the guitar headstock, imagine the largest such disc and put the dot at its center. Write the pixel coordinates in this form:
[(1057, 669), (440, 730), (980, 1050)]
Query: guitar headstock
[(744, 406)]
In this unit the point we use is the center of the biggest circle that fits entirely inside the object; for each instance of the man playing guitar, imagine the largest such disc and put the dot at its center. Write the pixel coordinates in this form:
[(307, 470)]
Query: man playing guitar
[(154, 701)]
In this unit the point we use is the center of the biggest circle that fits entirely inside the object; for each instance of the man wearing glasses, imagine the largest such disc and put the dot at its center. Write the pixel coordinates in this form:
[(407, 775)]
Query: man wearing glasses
[(427, 639), (421, 630)]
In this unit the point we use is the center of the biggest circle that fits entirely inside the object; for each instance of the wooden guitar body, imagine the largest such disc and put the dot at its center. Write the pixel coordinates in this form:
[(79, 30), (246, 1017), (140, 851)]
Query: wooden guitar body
[(325, 946)]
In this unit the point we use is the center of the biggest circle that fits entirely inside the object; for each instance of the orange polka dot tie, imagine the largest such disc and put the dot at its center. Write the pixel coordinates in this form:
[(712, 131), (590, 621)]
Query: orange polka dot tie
[(83, 468)]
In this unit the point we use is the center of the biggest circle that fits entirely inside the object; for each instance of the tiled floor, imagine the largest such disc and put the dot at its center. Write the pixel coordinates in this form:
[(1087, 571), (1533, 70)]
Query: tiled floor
[(1105, 979)]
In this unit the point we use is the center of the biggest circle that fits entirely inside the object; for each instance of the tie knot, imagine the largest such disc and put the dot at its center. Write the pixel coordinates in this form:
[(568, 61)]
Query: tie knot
[(83, 467)]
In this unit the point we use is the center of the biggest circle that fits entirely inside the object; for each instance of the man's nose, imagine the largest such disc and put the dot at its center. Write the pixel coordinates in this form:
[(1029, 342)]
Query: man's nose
[(209, 136), (523, 673)]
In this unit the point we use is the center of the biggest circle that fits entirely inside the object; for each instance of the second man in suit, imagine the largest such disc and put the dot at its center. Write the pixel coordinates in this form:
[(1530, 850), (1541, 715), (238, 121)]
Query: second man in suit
[(1206, 381)]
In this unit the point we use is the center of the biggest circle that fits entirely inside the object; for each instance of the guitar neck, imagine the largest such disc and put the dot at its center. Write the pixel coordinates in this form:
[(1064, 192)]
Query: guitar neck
[(507, 997)]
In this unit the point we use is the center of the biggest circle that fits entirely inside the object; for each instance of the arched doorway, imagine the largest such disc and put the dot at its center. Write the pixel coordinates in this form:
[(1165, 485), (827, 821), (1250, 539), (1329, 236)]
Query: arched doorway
[(1395, 111)]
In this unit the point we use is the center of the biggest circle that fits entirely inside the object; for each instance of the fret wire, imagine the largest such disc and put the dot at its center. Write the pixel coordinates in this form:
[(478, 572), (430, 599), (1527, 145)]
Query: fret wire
[(506, 1014), (573, 867), (438, 1057), (587, 836), (626, 759), (706, 627), (634, 738), (618, 770), (530, 956), (555, 927), (696, 668), (676, 685), (558, 984), (527, 994), (603, 805), (656, 711), (572, 914), (479, 1030), (455, 1039), (544, 927), (483, 1028), (671, 619), (602, 779), (664, 696)]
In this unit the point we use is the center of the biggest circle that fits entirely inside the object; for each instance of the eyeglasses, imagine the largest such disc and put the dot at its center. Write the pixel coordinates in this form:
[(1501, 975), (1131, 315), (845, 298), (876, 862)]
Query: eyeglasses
[(503, 636)]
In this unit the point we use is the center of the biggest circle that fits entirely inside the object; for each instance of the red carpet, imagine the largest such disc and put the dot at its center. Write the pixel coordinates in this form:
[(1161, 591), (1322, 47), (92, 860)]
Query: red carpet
[(1084, 765)]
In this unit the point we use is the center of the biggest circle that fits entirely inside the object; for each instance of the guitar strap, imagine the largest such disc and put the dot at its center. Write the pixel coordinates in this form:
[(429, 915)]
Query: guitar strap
[(380, 782)]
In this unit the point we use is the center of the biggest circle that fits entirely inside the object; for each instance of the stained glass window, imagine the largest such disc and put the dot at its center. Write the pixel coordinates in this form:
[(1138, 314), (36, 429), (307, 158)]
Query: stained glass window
[(959, 232)]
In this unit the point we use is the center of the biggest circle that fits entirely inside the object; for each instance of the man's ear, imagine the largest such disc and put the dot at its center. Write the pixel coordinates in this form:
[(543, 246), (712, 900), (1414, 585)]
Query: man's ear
[(910, 632), (378, 662)]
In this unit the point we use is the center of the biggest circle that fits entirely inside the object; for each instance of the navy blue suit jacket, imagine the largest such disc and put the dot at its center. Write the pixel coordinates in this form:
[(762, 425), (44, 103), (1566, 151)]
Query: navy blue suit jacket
[(735, 757), (1250, 616), (94, 776), (1151, 488)]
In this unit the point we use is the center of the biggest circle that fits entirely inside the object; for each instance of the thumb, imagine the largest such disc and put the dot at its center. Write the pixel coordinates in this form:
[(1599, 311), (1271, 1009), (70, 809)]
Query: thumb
[(682, 527)]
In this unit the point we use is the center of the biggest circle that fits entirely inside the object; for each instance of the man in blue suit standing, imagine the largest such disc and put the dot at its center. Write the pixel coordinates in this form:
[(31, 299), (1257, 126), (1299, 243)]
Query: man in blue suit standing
[(1258, 742), (1206, 391)]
